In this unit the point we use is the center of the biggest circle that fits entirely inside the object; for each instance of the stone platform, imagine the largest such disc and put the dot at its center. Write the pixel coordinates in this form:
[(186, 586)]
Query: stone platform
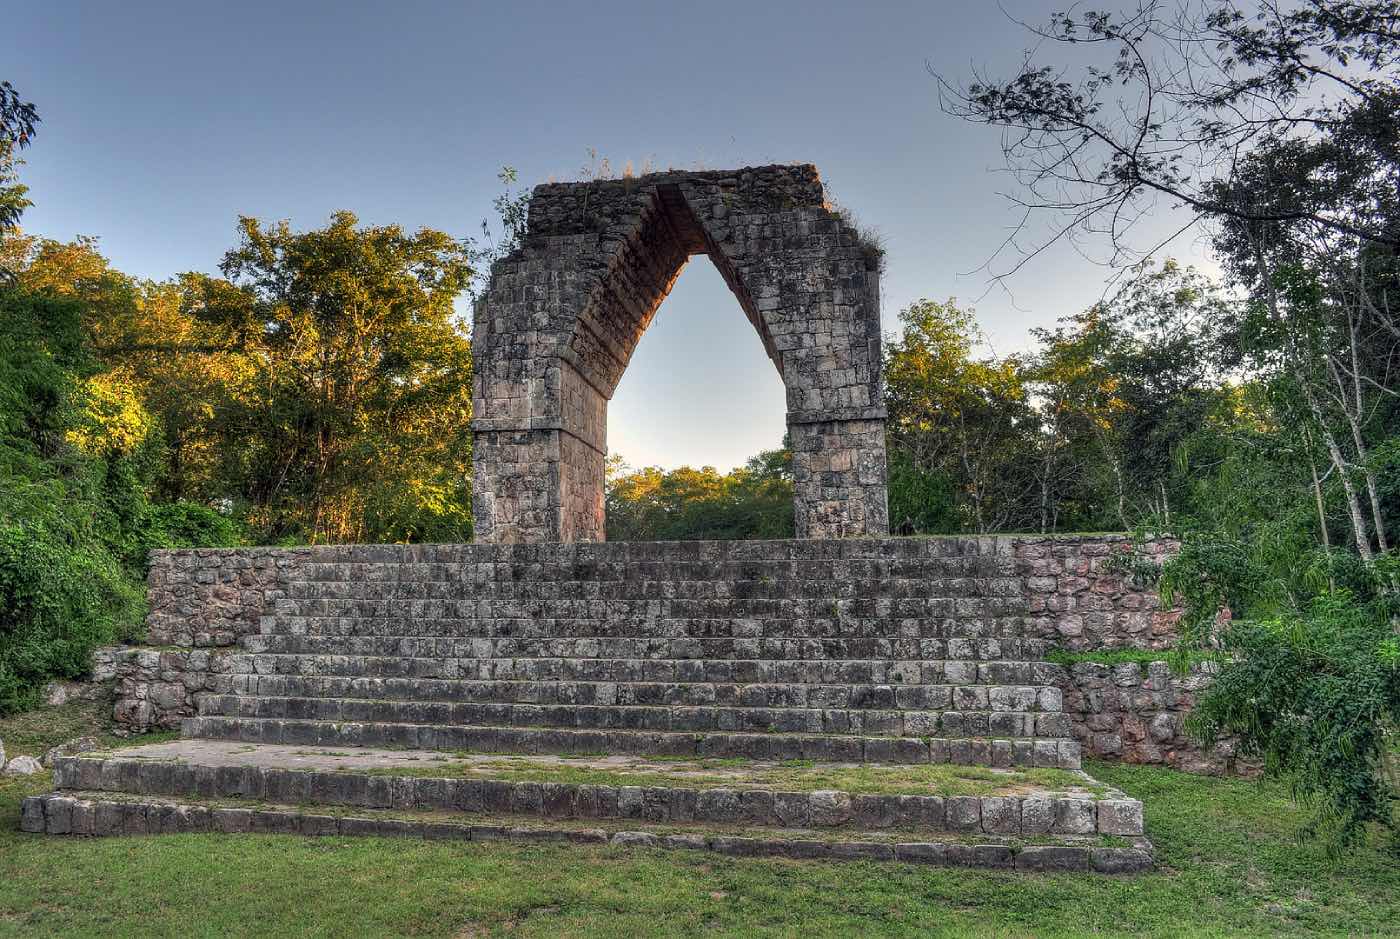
[(1036, 819), (877, 666)]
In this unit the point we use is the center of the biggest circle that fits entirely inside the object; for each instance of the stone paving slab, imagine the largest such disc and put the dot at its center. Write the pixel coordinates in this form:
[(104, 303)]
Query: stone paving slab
[(725, 772)]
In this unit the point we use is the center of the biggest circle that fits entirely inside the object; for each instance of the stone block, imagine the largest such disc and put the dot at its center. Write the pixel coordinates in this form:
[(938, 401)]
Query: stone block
[(1001, 815), (829, 808), (964, 813), (1075, 817), (1119, 817), (1120, 860), (1048, 858)]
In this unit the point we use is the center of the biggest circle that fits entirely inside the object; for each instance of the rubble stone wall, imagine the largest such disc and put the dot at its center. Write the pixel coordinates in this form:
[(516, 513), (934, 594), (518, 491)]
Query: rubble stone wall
[(1079, 596), (1136, 714), (203, 597)]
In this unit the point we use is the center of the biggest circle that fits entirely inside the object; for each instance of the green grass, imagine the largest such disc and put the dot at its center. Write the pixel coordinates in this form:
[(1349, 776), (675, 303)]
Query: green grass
[(34, 732), (1229, 865)]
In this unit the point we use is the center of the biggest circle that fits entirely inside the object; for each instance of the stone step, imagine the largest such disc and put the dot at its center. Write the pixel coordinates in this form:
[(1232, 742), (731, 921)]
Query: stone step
[(650, 559), (101, 814), (1069, 804), (800, 592), (878, 671), (800, 564), (467, 656), (832, 606), (705, 718), (297, 676), (279, 631), (973, 751), (958, 697)]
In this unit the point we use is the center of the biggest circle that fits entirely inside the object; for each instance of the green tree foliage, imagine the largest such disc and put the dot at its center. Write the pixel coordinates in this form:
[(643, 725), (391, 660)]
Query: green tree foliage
[(18, 121), (1308, 670), (347, 415), (75, 521), (1278, 126), (920, 500), (958, 418), (1122, 388), (652, 504)]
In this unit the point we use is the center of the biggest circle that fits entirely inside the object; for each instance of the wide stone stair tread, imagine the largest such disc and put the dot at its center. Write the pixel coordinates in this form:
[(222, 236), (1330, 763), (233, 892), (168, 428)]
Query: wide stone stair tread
[(867, 694), (563, 668), (874, 721), (970, 750), (821, 611), (660, 667), (821, 795), (571, 679), (699, 599), (359, 633)]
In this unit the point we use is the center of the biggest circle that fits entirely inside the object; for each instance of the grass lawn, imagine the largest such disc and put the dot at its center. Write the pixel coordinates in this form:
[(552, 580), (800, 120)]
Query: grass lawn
[(1229, 864)]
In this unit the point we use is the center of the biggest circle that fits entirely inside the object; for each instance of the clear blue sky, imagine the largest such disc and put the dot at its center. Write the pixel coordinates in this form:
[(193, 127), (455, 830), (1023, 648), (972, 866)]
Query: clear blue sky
[(164, 121)]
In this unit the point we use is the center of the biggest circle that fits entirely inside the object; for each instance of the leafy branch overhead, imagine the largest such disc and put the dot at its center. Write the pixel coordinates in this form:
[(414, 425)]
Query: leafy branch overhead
[(1181, 102)]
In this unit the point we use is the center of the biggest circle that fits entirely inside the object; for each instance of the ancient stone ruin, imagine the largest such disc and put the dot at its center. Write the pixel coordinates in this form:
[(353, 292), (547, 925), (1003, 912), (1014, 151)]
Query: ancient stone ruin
[(564, 312), (726, 696)]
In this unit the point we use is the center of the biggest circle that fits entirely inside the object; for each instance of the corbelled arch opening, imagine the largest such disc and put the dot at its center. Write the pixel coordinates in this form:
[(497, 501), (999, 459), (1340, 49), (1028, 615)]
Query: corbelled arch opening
[(640, 275)]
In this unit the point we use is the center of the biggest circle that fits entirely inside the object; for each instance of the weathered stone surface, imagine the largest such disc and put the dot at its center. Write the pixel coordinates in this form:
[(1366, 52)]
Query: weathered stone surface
[(71, 748), (964, 813), (1037, 816), (636, 839), (1075, 817), (830, 808), (23, 766), (1053, 858), (1001, 816), (59, 693), (564, 312), (31, 814), (1138, 715), (59, 815)]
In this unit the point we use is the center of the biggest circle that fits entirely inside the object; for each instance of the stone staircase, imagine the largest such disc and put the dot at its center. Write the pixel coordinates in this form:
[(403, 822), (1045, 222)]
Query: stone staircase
[(906, 659), (825, 655)]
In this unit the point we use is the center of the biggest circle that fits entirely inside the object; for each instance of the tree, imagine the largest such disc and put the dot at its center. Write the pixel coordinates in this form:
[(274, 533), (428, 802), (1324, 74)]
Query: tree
[(76, 521), (1180, 93), (652, 504), (1123, 387), (18, 120), (351, 422), (964, 418)]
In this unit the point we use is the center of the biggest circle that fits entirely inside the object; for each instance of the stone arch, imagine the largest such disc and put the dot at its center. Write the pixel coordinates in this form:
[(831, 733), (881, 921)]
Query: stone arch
[(564, 312)]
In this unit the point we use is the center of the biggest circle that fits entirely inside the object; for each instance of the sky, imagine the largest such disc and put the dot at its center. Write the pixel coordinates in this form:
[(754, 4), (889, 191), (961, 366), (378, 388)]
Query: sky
[(163, 122)]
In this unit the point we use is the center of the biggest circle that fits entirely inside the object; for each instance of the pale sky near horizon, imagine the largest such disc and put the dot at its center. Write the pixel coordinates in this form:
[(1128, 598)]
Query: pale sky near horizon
[(162, 122)]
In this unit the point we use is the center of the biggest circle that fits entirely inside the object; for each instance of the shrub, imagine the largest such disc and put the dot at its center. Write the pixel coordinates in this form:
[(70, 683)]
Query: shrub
[(1309, 671), (58, 602), (76, 524)]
